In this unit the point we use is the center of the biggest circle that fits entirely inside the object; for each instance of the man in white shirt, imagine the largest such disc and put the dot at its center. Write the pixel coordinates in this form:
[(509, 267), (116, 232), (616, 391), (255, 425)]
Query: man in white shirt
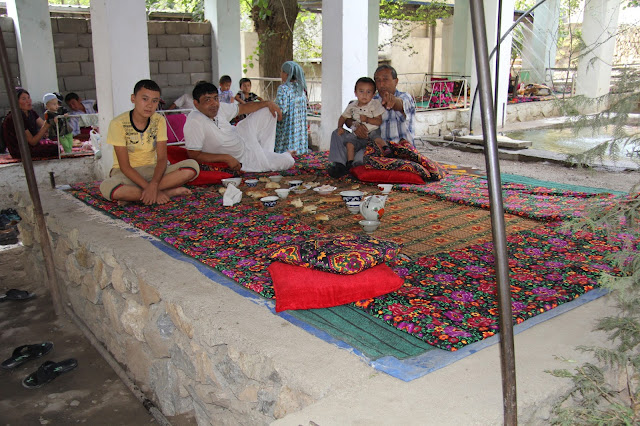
[(249, 146)]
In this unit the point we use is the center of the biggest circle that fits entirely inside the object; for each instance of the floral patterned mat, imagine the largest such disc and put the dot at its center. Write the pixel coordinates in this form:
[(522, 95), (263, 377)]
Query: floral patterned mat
[(448, 299)]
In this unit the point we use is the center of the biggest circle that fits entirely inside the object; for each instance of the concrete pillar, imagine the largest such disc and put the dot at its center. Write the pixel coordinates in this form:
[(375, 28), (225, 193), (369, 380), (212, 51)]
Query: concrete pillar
[(491, 18), (116, 24), (374, 24), (35, 46), (539, 47), (224, 16), (459, 48), (599, 28), (345, 47)]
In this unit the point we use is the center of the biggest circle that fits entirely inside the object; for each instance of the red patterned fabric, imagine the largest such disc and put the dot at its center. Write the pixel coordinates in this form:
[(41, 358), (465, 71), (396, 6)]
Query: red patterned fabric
[(175, 127), (303, 288), (339, 254), (406, 158)]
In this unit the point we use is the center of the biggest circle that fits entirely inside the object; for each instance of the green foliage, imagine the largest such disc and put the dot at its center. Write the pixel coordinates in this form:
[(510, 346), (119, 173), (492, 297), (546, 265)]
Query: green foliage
[(70, 2), (404, 18), (194, 7)]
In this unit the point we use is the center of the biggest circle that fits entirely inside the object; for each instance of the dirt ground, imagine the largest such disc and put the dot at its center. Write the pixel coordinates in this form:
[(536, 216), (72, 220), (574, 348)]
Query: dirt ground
[(92, 393)]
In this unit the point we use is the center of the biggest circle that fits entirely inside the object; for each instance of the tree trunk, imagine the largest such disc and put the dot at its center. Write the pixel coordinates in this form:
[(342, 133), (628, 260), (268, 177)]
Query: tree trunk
[(275, 34)]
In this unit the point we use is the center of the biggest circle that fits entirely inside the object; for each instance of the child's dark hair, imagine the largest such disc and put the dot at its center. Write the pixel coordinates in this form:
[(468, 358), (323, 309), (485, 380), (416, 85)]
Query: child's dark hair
[(244, 80), (203, 89), (146, 84), (366, 80), (71, 96), (225, 79)]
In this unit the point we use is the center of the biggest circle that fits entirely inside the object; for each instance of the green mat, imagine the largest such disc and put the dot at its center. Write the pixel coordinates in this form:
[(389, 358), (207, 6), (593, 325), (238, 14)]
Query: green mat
[(508, 178), (372, 337)]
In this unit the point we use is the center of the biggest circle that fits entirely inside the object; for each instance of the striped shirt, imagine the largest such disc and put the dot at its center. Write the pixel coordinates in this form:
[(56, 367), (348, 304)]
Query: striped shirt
[(395, 124)]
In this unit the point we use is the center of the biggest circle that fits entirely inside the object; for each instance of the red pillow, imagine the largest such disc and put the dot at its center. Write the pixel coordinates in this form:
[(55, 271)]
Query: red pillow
[(297, 287), (366, 174), (175, 154), (175, 127), (207, 177)]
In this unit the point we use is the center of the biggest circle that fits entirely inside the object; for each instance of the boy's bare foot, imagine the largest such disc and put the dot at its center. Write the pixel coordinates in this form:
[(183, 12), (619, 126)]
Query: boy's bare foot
[(174, 192), (123, 203)]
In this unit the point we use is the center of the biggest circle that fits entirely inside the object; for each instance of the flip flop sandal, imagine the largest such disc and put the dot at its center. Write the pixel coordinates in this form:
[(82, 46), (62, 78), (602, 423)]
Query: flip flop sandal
[(48, 371), (25, 353), (14, 294)]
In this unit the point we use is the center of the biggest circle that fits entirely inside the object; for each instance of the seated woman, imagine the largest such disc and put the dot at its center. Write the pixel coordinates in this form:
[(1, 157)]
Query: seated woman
[(291, 132), (35, 131)]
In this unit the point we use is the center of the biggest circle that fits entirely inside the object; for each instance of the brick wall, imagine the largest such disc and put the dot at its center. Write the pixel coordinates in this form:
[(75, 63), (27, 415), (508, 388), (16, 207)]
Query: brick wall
[(9, 36), (179, 55)]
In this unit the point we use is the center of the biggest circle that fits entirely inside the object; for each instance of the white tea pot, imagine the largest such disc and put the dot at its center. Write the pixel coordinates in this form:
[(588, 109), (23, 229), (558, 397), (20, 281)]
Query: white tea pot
[(372, 207)]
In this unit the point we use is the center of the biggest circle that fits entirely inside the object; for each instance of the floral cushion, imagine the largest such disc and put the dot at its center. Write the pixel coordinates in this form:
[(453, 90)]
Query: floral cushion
[(405, 158), (340, 254)]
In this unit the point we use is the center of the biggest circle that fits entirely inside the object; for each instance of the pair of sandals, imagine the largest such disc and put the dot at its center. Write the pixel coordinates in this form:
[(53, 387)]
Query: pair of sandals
[(48, 371), (15, 294)]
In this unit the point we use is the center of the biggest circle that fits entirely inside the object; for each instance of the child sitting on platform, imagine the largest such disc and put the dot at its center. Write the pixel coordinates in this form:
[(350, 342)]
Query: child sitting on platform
[(225, 95), (56, 116), (364, 110), (139, 139)]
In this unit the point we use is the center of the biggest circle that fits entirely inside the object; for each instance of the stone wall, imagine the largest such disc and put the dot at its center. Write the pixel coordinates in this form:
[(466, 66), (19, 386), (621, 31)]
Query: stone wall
[(179, 55), (169, 325), (627, 45)]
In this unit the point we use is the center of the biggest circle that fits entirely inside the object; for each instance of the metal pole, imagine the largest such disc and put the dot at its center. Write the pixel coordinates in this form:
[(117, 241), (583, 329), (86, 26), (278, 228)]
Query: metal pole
[(27, 164), (507, 355), (497, 49)]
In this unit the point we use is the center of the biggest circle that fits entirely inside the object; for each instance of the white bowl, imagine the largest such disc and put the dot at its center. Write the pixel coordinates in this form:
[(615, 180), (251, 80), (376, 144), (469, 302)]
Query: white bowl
[(354, 206), (275, 178), (282, 192), (325, 189), (294, 183), (298, 190), (234, 181), (251, 182), (369, 225), (269, 201), (351, 195), (385, 187)]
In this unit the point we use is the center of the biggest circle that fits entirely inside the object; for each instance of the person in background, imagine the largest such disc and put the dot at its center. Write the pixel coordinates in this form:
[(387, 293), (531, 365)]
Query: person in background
[(246, 95), (185, 101), (139, 138), (56, 116), (35, 130), (291, 133), (76, 107), (225, 95)]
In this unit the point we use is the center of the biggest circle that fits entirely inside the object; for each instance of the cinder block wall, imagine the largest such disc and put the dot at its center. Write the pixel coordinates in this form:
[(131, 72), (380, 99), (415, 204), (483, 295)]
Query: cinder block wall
[(179, 56)]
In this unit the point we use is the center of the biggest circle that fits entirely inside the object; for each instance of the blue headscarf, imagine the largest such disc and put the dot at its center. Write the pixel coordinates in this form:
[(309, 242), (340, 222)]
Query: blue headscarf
[(294, 72)]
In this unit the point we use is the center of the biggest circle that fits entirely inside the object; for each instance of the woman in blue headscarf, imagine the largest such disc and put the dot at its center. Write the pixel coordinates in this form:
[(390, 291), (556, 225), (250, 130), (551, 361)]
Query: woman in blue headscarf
[(291, 132)]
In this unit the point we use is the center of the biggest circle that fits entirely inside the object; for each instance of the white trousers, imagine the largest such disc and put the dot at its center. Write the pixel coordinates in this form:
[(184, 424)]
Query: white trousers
[(258, 133)]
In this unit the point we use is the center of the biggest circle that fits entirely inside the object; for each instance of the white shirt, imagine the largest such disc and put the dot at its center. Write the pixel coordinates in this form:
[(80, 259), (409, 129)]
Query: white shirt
[(216, 136)]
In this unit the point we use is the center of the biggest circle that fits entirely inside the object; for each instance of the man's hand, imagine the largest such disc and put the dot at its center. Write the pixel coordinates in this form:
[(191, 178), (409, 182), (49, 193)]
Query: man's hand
[(233, 164), (361, 131), (364, 119), (275, 110), (388, 100), (150, 194)]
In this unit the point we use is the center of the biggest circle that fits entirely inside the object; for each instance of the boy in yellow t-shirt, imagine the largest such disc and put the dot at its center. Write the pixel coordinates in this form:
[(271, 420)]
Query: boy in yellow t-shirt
[(139, 139)]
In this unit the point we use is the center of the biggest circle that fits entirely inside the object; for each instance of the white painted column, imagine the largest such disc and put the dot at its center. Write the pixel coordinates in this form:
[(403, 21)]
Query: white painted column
[(459, 53), (121, 59), (345, 25), (224, 16), (491, 18), (35, 46), (539, 48), (374, 30), (599, 27)]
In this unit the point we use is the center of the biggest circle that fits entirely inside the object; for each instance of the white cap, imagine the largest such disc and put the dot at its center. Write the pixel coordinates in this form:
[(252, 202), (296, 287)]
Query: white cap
[(49, 97)]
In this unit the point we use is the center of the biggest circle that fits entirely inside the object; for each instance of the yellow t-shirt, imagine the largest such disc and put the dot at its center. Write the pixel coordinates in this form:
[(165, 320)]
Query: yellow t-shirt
[(141, 143)]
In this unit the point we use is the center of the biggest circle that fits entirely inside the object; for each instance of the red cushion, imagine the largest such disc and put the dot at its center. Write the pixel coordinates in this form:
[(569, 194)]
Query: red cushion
[(366, 174), (209, 177), (175, 154), (297, 287), (175, 127)]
